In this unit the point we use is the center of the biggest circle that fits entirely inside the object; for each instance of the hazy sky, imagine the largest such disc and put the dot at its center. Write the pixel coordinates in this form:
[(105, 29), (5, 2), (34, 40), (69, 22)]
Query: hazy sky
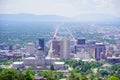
[(68, 8)]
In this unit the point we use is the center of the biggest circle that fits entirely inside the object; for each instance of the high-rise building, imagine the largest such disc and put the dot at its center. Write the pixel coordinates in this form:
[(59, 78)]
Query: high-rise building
[(10, 48), (30, 48), (41, 44), (92, 45), (118, 48), (81, 41), (65, 49), (2, 46), (56, 47), (100, 51), (81, 44)]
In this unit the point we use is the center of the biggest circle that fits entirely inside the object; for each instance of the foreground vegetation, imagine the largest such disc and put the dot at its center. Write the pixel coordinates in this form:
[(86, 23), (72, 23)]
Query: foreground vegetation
[(93, 70), (79, 70)]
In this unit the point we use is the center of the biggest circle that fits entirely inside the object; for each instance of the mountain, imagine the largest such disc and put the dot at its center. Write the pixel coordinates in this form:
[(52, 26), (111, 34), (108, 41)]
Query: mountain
[(57, 18), (31, 17), (96, 18)]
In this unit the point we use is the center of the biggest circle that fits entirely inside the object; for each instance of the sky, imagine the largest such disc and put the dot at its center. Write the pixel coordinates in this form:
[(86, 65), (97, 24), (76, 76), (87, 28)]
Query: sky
[(68, 8)]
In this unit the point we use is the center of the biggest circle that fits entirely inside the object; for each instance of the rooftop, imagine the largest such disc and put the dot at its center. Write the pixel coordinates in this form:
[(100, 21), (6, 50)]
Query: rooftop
[(37, 77), (59, 62), (52, 58), (30, 44), (113, 57), (99, 43), (107, 65), (30, 58), (17, 62)]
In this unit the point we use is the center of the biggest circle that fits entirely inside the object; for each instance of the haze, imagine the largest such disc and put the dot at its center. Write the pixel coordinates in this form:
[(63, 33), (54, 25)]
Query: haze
[(68, 8)]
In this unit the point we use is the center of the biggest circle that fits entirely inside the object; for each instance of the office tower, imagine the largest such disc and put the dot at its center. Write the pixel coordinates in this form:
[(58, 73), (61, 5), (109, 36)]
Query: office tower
[(118, 48), (99, 51), (81, 41), (10, 48), (65, 49), (75, 49), (30, 48), (17, 46), (92, 48), (41, 44), (80, 45), (56, 47), (2, 46)]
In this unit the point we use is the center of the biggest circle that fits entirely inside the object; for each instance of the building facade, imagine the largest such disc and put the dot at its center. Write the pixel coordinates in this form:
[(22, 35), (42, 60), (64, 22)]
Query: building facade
[(65, 49), (41, 44), (100, 50), (56, 47)]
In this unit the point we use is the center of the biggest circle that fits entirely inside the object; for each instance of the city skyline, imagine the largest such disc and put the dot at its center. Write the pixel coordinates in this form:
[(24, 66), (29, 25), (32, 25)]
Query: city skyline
[(59, 40), (68, 8)]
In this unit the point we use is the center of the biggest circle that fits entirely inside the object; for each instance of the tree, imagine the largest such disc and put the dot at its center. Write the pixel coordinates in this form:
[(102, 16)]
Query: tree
[(9, 74), (58, 75), (52, 67), (48, 74), (85, 67), (28, 75), (103, 73), (43, 73), (21, 76), (84, 78), (118, 72), (113, 78), (115, 67), (1, 69), (73, 76)]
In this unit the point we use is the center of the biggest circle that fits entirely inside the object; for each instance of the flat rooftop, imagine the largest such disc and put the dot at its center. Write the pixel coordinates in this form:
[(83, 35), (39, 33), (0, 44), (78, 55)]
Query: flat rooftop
[(113, 57), (17, 62), (99, 43), (59, 62), (52, 58), (30, 58)]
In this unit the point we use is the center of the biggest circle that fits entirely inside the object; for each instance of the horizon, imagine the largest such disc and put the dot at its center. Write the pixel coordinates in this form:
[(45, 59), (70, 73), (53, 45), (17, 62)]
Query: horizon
[(67, 8)]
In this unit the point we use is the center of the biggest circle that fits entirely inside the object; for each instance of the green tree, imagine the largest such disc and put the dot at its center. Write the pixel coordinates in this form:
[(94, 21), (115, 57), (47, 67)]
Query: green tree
[(113, 78), (43, 73), (103, 73), (48, 74), (85, 67), (72, 76), (21, 75), (52, 67), (1, 69), (84, 78), (29, 75), (9, 74), (118, 72), (58, 75)]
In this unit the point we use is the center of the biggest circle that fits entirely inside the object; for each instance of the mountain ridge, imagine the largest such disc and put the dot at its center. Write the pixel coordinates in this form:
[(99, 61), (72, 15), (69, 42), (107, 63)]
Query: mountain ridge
[(57, 18)]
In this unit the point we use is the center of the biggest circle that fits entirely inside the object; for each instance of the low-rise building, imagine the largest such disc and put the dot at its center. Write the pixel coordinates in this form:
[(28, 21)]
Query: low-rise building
[(30, 61), (37, 77), (113, 59), (17, 65), (49, 60), (59, 65)]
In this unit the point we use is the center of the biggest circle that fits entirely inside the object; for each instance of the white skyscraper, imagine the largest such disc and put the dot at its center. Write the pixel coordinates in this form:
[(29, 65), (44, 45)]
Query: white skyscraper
[(65, 49)]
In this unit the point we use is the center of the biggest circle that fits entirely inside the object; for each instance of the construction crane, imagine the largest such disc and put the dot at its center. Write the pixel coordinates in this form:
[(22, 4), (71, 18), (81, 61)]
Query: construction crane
[(56, 31), (54, 37), (48, 44), (73, 38)]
